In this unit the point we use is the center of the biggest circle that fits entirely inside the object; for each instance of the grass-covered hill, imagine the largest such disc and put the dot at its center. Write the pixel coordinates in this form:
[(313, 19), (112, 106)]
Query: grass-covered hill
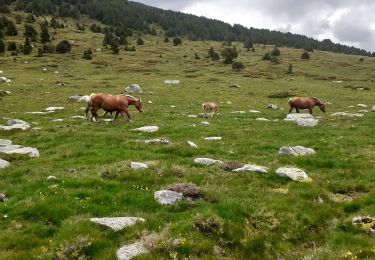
[(240, 215), (132, 15)]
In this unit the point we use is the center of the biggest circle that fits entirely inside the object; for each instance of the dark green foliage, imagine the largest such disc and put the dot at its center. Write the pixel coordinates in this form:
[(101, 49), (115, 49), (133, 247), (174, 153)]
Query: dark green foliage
[(229, 54), (67, 10), (123, 40), (63, 47), (275, 59), (10, 28), (275, 52), (18, 19), (352, 208), (4, 8), (27, 49), (166, 39), (96, 28), (40, 52), (196, 56), (140, 41), (305, 56), (81, 27), (361, 59), (213, 55), (30, 32), (87, 54), (177, 41), (290, 69), (267, 56), (2, 46), (12, 46), (30, 19), (127, 48), (248, 44), (237, 66), (115, 46), (44, 34)]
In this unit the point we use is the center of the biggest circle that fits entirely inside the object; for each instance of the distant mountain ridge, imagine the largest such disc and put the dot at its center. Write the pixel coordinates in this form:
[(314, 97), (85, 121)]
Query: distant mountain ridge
[(137, 16)]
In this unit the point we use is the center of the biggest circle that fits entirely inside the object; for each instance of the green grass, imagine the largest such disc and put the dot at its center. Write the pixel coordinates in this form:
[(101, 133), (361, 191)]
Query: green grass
[(91, 161)]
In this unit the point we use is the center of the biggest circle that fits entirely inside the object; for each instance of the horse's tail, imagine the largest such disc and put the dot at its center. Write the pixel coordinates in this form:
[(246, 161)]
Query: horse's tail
[(89, 106)]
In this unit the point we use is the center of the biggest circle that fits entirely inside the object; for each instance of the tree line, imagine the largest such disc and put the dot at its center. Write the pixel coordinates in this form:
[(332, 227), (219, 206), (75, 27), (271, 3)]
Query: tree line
[(130, 15)]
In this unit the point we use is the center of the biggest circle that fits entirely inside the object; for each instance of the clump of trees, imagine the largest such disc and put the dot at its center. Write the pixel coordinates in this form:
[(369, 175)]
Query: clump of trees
[(30, 32), (177, 41), (87, 54), (229, 54), (213, 54), (305, 56), (140, 41), (63, 47), (237, 66), (7, 27)]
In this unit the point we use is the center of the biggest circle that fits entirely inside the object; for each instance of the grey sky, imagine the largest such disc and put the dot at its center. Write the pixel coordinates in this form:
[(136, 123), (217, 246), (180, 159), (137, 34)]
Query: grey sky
[(350, 22)]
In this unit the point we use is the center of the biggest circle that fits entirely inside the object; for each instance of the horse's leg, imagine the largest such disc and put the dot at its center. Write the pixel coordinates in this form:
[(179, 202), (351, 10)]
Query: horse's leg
[(126, 110), (290, 109), (116, 115), (310, 110), (94, 114), (297, 109)]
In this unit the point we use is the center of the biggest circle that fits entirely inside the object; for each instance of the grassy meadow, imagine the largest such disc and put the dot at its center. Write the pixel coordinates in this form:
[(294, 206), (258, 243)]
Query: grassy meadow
[(258, 216)]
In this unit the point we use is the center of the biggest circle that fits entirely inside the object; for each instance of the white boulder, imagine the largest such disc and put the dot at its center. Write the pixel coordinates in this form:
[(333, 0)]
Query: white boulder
[(54, 108), (213, 138), (138, 166), (251, 168), (295, 151), (128, 252), (167, 197), (207, 161), (192, 144), (133, 88), (3, 164), (292, 173), (147, 129), (117, 223), (344, 114)]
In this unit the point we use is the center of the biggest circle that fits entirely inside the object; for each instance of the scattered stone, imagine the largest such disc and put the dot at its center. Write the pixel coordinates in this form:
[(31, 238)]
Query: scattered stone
[(147, 129), (191, 144), (254, 111), (138, 166), (205, 123), (117, 223), (167, 197), (150, 102), (51, 177), (362, 105), (234, 86), (207, 161), (373, 108), (273, 106), (39, 113), (367, 223), (337, 81), (295, 151), (158, 141), (58, 120), (78, 117), (133, 89), (12, 124), (251, 168), (213, 138), (3, 164), (350, 106), (363, 111), (4, 79), (188, 190), (172, 106), (7, 147), (192, 116), (292, 173), (261, 119), (344, 114), (172, 81), (127, 252), (238, 112), (54, 108), (302, 119), (3, 197), (75, 98)]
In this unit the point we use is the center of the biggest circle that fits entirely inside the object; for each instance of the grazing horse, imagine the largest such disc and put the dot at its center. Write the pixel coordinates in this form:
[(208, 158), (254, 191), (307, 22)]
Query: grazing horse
[(210, 106), (109, 103), (305, 103)]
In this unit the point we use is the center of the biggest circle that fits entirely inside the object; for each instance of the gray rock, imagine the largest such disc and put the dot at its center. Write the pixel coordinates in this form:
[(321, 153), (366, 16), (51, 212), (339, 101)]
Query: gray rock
[(167, 197), (213, 138), (4, 80), (158, 141), (192, 116), (302, 119), (192, 144), (261, 119), (138, 166), (147, 129), (58, 120), (234, 86), (127, 252), (118, 223), (3, 164), (75, 98), (205, 123), (251, 168), (238, 112), (172, 81), (295, 151), (7, 148), (344, 114), (39, 113), (292, 173), (78, 117), (51, 177), (254, 111), (273, 106), (11, 122), (362, 105), (133, 88), (54, 108), (207, 161), (3, 197), (373, 108)]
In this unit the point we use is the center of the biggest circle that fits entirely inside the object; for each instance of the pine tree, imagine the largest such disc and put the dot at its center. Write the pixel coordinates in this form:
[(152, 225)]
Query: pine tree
[(27, 46), (44, 34), (30, 32), (2, 46)]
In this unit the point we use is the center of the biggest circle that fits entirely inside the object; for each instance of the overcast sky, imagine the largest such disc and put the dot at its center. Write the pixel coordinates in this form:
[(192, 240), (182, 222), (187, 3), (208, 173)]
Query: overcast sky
[(351, 22)]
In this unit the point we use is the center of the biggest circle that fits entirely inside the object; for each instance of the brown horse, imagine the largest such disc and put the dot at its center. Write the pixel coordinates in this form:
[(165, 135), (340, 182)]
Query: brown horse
[(109, 103), (305, 103), (210, 106)]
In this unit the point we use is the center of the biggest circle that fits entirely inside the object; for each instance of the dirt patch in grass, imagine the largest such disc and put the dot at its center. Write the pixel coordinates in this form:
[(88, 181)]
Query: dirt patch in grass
[(188, 190), (230, 166)]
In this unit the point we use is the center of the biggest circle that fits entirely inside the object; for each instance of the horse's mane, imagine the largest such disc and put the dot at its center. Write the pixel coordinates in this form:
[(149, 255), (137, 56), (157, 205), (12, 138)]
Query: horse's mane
[(130, 96), (317, 100)]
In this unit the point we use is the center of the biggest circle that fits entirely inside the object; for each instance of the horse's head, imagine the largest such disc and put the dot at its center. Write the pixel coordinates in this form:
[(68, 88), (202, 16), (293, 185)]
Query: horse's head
[(138, 105), (322, 107)]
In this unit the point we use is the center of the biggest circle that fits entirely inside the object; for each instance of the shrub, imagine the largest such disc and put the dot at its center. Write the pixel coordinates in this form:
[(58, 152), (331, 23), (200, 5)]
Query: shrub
[(18, 19), (197, 56), (30, 32), (213, 55), (209, 225), (275, 52), (11, 29), (30, 18), (188, 190), (166, 39), (290, 69), (2, 46), (44, 34), (305, 56), (177, 41), (127, 48), (237, 66), (63, 47), (40, 52), (275, 60), (361, 59), (140, 41), (267, 56), (12, 46), (229, 54), (87, 55), (27, 47), (4, 9)]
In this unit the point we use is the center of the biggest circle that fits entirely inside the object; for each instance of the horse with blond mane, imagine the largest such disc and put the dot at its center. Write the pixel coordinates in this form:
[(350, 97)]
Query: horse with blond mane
[(305, 103), (119, 104), (210, 106)]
